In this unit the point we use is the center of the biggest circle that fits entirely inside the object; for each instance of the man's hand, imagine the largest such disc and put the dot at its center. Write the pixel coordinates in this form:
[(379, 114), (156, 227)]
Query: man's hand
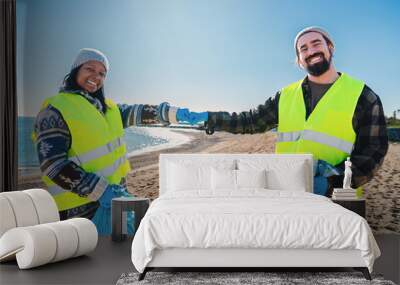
[(195, 118), (320, 185), (184, 115), (323, 170)]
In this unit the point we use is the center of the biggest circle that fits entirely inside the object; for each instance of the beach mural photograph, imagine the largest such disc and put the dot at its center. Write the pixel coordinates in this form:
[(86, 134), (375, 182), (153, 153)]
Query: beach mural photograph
[(153, 77)]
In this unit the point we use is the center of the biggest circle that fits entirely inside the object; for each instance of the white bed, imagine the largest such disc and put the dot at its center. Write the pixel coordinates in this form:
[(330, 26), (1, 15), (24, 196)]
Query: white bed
[(247, 210)]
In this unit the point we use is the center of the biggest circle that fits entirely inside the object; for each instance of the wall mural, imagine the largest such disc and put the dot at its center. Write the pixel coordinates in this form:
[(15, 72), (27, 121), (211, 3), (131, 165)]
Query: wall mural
[(175, 68)]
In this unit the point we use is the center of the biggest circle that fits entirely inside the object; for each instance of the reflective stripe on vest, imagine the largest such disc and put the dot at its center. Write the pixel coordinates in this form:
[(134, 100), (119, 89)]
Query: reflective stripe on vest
[(328, 132), (98, 152), (316, 137), (106, 171), (97, 144), (64, 198)]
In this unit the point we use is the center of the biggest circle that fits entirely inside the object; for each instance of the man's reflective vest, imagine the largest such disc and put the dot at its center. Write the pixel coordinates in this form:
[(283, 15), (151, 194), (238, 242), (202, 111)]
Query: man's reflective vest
[(97, 144), (328, 132)]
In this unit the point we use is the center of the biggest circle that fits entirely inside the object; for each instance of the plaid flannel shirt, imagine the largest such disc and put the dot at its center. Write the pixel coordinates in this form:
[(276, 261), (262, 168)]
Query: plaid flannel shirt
[(368, 122)]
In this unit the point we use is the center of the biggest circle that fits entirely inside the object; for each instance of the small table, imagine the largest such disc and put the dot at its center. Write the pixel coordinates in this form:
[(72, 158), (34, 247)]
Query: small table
[(355, 205), (121, 205)]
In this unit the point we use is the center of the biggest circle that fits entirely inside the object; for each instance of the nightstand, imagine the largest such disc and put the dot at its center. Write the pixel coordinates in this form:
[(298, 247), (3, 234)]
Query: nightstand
[(356, 205), (124, 204)]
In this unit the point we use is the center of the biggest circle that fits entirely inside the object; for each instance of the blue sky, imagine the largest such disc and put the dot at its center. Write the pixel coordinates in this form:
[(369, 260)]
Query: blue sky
[(205, 55)]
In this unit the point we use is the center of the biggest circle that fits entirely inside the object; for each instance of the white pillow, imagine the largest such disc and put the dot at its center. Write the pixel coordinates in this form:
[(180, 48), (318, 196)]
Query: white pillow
[(188, 177), (223, 179), (291, 179), (281, 174), (193, 174), (251, 178), (227, 179)]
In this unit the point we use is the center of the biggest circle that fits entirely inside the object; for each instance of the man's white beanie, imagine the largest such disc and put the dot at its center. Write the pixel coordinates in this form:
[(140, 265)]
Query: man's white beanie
[(87, 54), (312, 29)]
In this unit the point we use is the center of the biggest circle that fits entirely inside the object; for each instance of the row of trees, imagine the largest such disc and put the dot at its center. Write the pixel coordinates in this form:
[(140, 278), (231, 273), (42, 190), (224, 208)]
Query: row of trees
[(394, 121)]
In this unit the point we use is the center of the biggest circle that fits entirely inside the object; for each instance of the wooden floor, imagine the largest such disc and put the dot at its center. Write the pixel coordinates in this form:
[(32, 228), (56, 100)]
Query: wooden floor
[(110, 260)]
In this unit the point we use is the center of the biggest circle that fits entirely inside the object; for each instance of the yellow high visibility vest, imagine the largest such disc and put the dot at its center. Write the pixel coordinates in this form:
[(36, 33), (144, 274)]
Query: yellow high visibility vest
[(97, 144), (328, 132)]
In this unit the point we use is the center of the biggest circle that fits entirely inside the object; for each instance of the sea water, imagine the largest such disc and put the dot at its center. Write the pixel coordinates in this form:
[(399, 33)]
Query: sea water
[(135, 139)]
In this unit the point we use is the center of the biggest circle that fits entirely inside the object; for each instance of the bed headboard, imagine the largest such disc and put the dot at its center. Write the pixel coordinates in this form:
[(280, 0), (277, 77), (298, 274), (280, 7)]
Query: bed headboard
[(215, 158)]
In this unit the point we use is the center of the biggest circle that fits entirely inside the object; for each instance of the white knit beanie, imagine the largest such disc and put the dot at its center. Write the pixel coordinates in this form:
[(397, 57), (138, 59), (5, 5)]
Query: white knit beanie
[(87, 54), (312, 29)]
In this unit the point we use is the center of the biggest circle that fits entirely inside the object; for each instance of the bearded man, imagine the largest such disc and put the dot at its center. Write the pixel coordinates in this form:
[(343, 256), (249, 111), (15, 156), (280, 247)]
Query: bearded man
[(328, 114)]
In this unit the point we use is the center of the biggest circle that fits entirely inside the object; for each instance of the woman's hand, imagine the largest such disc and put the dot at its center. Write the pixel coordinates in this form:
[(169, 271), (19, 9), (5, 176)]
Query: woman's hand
[(112, 191)]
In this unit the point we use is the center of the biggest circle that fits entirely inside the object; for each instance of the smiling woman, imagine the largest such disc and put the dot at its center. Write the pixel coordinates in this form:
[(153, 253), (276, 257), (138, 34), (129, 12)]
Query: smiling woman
[(80, 140), (88, 73), (91, 76)]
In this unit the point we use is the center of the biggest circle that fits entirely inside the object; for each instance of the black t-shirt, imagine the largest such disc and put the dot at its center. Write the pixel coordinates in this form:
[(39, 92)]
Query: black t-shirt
[(317, 91)]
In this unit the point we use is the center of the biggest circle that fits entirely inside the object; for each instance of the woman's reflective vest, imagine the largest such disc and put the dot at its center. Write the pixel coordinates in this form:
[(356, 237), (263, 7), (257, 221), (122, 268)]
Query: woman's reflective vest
[(97, 144), (328, 132)]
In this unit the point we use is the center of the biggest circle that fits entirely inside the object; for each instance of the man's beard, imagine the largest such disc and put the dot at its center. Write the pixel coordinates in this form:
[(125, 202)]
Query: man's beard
[(318, 68)]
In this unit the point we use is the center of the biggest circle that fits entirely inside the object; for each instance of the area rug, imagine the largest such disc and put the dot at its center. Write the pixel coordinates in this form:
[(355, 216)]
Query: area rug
[(231, 278)]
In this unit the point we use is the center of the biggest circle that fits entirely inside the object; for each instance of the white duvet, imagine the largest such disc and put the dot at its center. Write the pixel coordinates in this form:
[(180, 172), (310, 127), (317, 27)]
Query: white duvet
[(250, 219)]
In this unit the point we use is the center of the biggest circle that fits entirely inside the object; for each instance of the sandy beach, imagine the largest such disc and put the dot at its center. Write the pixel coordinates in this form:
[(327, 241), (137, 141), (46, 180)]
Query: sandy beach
[(382, 192)]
